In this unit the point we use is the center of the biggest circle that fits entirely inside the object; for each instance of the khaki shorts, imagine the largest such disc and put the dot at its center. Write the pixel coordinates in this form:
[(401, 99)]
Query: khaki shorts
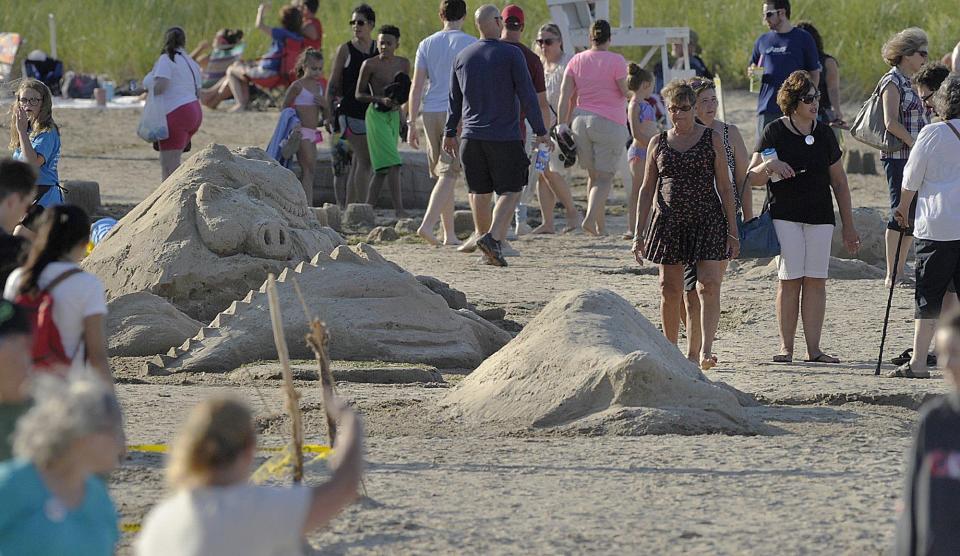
[(600, 142), (441, 164)]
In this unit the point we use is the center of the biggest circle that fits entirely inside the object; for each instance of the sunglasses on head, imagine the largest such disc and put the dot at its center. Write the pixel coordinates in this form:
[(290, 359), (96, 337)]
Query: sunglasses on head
[(30, 101), (546, 42), (678, 109), (808, 99), (771, 13), (358, 22)]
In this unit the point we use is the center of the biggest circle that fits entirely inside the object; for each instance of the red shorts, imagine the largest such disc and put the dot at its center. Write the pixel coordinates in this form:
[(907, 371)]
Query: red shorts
[(182, 123)]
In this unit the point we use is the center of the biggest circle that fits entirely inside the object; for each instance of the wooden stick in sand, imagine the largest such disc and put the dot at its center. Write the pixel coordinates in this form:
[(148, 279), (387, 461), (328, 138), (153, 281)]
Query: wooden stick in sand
[(317, 339), (293, 397)]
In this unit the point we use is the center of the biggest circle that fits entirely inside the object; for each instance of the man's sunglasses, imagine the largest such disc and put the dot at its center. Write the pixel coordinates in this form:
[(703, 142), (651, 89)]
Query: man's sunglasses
[(678, 109), (358, 22), (546, 42), (770, 14), (808, 99)]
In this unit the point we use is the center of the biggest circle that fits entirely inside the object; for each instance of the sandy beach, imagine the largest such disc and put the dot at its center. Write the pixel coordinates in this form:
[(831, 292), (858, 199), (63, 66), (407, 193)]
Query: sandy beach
[(825, 476)]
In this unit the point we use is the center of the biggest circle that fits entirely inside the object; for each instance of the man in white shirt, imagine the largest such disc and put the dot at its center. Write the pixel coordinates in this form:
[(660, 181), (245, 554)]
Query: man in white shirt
[(432, 69), (932, 175)]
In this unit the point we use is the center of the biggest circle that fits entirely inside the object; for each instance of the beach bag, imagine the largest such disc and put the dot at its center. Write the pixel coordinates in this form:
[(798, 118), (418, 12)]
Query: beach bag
[(153, 122), (47, 352), (868, 127), (80, 85), (758, 237)]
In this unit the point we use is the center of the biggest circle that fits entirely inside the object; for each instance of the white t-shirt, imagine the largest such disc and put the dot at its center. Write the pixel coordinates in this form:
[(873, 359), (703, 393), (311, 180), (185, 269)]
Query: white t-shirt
[(227, 521), (184, 76), (436, 54), (933, 171), (554, 80), (74, 299)]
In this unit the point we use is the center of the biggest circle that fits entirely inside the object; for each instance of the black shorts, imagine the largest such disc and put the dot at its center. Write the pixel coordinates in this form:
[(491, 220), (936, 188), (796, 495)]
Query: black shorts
[(494, 166), (689, 277), (938, 264)]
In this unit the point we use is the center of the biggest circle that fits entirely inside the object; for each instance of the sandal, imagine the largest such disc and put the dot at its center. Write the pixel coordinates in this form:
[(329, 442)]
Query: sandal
[(908, 354), (823, 358), (783, 358), (906, 371)]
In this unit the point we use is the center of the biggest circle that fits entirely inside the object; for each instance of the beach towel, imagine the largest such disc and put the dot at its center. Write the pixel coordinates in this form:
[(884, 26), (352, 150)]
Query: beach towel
[(383, 135), (285, 123)]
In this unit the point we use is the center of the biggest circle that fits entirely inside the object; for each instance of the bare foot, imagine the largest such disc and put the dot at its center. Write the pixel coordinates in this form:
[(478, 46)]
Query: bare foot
[(451, 241), (237, 108), (543, 229), (708, 361), (427, 236), (588, 228), (573, 229), (470, 245)]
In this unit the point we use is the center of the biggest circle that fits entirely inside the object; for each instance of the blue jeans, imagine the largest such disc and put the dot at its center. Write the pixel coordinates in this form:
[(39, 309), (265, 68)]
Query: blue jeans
[(893, 167)]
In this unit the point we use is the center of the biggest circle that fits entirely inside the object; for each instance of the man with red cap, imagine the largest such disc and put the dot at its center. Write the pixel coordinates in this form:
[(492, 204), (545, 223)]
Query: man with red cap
[(513, 25)]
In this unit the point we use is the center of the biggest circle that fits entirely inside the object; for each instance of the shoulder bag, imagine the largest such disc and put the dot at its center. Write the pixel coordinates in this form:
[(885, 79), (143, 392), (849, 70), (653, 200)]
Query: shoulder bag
[(869, 128)]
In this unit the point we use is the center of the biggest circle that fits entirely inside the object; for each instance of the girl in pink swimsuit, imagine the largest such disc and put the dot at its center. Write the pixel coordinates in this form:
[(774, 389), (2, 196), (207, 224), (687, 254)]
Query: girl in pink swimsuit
[(306, 96)]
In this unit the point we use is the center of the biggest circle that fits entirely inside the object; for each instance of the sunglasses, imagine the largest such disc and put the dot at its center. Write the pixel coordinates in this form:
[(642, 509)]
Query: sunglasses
[(358, 22), (770, 14), (30, 101), (808, 99), (678, 109), (546, 42)]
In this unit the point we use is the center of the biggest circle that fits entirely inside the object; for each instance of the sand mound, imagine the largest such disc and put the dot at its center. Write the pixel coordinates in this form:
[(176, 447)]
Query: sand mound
[(589, 362), (840, 269), (374, 310), (211, 232), (872, 226), (144, 324)]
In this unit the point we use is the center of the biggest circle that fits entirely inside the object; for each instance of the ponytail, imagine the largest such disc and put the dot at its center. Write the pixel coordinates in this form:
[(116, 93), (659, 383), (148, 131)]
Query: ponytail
[(62, 228), (174, 39)]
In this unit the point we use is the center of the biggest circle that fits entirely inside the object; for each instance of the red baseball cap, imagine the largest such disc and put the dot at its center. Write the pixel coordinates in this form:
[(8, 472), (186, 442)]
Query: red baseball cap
[(512, 11)]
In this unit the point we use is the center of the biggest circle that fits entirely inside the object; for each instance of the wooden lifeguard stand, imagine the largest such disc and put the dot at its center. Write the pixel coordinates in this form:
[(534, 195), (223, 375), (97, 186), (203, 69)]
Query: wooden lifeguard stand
[(574, 17)]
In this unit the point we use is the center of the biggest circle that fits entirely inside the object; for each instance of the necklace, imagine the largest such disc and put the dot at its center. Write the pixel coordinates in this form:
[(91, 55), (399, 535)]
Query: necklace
[(808, 139)]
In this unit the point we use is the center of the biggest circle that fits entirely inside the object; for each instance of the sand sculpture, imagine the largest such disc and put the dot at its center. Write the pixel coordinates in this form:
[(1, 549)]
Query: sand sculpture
[(144, 324), (374, 310), (591, 363), (211, 232)]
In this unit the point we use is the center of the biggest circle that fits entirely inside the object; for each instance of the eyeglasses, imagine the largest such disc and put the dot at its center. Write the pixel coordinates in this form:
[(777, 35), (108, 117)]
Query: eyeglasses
[(546, 42), (30, 101), (770, 14), (678, 109), (808, 99), (358, 22)]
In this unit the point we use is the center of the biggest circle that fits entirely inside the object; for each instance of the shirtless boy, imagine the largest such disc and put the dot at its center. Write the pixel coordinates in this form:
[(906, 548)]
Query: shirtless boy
[(384, 115)]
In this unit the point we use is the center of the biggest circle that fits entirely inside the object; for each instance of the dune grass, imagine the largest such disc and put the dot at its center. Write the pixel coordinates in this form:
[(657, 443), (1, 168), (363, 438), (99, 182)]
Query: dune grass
[(122, 38)]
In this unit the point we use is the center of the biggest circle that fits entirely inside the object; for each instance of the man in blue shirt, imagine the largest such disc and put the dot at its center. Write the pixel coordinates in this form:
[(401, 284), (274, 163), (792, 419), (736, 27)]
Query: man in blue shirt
[(780, 52), (489, 86)]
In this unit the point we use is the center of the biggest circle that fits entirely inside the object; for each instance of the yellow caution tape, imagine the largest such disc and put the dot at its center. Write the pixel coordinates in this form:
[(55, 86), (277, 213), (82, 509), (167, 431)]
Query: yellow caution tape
[(162, 449), (130, 527)]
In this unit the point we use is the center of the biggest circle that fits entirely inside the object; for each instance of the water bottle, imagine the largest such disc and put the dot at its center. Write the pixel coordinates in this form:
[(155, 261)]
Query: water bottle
[(110, 87), (771, 154), (543, 158), (755, 72)]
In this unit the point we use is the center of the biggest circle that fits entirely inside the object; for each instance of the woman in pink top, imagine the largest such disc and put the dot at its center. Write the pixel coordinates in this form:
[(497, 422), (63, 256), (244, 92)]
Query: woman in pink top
[(600, 125)]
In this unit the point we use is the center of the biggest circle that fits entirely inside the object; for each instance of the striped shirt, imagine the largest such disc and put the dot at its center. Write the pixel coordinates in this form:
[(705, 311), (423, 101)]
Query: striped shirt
[(913, 112)]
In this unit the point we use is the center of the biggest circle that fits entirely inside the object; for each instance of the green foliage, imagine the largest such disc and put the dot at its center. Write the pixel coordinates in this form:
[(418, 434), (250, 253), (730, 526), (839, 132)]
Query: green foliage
[(122, 38)]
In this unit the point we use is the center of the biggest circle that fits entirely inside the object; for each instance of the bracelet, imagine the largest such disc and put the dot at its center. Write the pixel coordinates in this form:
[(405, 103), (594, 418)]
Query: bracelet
[(733, 237)]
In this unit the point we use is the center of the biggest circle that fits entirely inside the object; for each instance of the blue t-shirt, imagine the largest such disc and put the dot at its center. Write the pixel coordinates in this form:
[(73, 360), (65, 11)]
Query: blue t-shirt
[(435, 55), (783, 54), (47, 145), (489, 86), (272, 60), (33, 524)]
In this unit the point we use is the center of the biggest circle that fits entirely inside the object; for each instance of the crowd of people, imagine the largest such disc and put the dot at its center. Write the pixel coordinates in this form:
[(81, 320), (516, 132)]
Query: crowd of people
[(510, 120)]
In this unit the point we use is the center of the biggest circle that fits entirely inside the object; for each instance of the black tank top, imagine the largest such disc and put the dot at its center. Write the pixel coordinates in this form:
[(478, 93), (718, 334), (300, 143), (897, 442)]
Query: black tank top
[(350, 106)]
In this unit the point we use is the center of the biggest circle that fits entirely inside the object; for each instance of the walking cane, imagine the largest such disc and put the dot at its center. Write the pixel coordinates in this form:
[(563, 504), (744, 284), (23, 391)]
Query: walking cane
[(886, 317)]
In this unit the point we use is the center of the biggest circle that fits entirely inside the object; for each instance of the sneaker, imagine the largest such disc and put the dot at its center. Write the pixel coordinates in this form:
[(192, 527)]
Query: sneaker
[(491, 248), (470, 245)]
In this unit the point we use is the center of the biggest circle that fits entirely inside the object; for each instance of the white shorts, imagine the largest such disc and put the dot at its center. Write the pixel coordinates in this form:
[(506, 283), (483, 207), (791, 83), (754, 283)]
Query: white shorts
[(804, 249)]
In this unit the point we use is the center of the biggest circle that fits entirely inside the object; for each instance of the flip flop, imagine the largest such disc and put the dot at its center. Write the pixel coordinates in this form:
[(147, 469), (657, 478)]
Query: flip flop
[(906, 371), (783, 358), (907, 355), (823, 358)]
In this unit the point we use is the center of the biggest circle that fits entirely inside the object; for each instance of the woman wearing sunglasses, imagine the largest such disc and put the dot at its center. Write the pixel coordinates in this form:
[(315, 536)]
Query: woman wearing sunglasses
[(800, 164), (691, 224), (351, 113), (904, 115)]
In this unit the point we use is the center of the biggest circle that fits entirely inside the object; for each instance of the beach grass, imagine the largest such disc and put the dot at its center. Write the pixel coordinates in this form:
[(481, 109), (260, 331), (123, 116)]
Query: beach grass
[(122, 38)]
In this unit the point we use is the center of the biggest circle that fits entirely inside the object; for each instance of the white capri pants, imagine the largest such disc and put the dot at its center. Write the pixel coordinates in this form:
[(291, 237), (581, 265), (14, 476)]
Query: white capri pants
[(804, 249)]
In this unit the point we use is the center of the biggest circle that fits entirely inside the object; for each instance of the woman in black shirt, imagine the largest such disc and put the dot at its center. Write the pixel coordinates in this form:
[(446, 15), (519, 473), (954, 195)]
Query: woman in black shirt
[(800, 161)]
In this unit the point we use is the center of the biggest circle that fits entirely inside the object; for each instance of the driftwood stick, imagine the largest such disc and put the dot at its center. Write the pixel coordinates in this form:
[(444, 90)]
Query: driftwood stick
[(293, 397)]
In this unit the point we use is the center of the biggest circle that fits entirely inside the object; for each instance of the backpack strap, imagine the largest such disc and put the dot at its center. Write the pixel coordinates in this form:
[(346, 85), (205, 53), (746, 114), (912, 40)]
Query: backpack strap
[(56, 281), (954, 130)]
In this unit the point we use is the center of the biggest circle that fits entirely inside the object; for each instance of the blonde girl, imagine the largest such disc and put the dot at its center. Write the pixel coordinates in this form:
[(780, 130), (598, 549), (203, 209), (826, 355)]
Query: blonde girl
[(35, 138), (306, 96)]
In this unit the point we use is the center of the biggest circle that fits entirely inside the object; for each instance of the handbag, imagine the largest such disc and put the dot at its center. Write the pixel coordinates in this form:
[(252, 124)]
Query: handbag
[(758, 237), (869, 128)]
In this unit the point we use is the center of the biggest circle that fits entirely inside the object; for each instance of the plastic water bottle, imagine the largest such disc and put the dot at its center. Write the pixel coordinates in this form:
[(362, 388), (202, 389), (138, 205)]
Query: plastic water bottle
[(771, 154), (111, 88), (543, 158)]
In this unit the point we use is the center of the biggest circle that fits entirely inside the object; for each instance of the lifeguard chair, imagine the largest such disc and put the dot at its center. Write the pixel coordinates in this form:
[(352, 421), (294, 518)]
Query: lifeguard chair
[(574, 17)]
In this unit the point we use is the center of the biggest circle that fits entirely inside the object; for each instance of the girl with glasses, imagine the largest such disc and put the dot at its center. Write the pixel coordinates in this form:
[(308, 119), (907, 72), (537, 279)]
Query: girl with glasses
[(35, 138)]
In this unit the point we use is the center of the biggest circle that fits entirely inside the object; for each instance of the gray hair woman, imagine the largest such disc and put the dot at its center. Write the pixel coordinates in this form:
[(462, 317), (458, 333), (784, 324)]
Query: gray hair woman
[(51, 490), (932, 177), (904, 115), (551, 185)]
